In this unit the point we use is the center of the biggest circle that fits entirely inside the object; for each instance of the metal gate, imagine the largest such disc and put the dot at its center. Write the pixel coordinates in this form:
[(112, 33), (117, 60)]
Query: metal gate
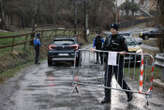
[(137, 70)]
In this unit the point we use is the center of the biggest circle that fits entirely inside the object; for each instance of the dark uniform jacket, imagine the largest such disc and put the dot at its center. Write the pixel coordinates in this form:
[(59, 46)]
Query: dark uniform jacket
[(115, 43)]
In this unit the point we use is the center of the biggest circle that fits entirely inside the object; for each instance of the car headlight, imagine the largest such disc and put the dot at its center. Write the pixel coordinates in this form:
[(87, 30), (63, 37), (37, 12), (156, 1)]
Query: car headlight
[(134, 49), (131, 49)]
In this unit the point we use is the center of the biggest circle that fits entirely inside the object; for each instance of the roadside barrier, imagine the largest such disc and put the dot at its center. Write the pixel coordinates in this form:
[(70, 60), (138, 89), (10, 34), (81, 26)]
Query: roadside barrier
[(133, 69)]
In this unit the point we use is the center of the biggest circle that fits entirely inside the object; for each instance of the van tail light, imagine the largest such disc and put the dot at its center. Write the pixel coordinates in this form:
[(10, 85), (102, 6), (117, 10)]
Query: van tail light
[(50, 47), (76, 47)]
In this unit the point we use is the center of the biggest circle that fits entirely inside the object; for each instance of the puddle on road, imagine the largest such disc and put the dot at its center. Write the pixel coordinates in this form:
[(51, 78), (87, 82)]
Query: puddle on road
[(50, 73), (156, 105), (59, 72)]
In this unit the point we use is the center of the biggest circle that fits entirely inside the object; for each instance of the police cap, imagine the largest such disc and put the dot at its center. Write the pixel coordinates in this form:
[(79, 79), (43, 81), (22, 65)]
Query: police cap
[(114, 26)]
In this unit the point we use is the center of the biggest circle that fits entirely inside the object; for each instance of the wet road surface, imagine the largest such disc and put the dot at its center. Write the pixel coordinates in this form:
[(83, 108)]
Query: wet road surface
[(40, 87)]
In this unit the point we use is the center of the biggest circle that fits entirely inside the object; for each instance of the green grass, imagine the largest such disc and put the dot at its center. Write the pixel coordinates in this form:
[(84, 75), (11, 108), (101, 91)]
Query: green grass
[(5, 42), (12, 72), (8, 41), (8, 33), (13, 63)]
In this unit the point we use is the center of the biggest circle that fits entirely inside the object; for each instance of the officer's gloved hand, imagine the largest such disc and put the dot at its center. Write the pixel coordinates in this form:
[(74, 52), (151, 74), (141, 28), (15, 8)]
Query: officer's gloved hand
[(92, 49), (122, 52)]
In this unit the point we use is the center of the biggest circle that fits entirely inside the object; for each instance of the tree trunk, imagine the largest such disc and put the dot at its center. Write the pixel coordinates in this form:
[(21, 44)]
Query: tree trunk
[(85, 20), (133, 10), (2, 22), (161, 21)]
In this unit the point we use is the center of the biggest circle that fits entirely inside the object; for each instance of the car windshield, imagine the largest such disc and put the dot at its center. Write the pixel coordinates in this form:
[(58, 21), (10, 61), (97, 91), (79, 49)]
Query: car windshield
[(131, 43), (63, 42)]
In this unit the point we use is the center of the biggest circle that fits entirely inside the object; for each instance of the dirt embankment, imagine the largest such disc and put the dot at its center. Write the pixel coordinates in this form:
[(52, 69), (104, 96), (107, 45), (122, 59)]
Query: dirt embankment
[(17, 58)]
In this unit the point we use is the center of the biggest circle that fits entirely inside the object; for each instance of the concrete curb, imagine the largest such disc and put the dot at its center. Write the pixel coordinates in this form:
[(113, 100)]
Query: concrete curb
[(158, 83)]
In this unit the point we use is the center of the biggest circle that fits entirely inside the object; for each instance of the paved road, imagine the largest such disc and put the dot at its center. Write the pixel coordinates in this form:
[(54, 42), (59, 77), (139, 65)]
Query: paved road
[(40, 87)]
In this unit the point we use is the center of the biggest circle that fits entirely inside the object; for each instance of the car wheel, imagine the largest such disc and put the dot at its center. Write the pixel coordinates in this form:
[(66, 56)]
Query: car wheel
[(49, 62)]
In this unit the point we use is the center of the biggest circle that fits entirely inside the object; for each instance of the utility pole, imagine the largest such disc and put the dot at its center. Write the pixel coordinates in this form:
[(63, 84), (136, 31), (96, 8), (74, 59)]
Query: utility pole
[(132, 10), (116, 17), (85, 20), (35, 18), (161, 22), (35, 8), (117, 13), (36, 13)]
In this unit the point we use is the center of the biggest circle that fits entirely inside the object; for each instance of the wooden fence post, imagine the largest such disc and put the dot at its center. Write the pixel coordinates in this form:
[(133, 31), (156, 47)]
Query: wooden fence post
[(25, 42), (65, 32), (13, 42), (55, 33), (41, 36), (50, 35)]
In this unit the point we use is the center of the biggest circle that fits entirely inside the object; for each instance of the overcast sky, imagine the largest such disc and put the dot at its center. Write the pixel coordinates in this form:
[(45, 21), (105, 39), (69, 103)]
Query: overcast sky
[(119, 2)]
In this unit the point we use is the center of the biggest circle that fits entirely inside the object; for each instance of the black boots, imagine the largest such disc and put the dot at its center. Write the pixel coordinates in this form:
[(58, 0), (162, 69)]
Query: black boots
[(129, 96), (104, 101), (107, 98)]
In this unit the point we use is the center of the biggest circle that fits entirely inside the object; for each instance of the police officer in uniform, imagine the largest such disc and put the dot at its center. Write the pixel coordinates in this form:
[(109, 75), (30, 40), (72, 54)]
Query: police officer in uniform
[(98, 45), (37, 45), (115, 42)]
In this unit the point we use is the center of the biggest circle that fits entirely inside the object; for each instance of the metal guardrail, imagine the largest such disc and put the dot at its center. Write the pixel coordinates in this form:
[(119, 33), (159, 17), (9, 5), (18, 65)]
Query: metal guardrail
[(159, 61)]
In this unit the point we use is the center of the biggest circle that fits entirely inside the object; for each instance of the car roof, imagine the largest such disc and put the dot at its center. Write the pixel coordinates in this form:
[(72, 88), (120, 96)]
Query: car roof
[(125, 33)]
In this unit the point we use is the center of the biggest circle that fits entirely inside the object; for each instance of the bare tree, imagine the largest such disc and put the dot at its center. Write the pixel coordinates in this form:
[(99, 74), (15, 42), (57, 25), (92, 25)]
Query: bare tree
[(161, 17), (60, 12), (2, 14)]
